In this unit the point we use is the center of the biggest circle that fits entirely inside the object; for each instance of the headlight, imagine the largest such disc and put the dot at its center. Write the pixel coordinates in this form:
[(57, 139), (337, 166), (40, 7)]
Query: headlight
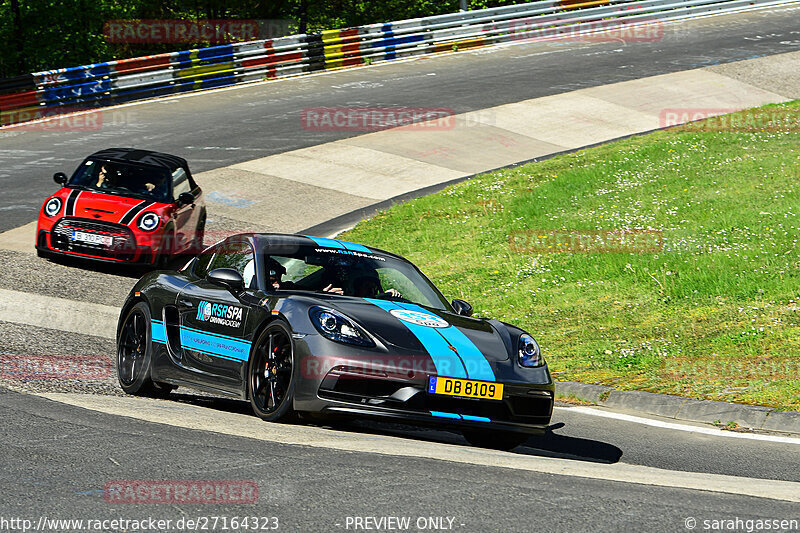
[(338, 327), (529, 353), (52, 207), (148, 221)]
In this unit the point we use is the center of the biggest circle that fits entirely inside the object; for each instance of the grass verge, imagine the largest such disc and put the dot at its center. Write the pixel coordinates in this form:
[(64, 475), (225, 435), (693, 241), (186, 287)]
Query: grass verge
[(686, 281)]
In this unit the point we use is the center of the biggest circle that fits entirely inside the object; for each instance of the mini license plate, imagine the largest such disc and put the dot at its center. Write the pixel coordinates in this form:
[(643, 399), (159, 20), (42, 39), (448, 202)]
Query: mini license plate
[(465, 388), (92, 238)]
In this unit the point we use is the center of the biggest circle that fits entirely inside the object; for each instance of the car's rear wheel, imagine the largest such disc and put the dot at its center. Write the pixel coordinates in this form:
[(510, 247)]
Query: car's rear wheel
[(135, 354), (495, 440), (270, 382)]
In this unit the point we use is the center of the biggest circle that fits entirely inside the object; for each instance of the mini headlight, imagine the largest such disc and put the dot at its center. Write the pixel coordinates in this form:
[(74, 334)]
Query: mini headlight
[(529, 353), (148, 221), (52, 207), (337, 327)]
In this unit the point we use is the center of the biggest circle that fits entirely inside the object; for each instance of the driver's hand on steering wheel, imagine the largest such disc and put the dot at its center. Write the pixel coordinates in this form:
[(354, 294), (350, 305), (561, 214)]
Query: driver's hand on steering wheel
[(393, 293), (335, 290)]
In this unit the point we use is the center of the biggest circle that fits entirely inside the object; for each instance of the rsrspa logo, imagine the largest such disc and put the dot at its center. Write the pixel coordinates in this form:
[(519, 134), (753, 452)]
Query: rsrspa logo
[(420, 319), (224, 315)]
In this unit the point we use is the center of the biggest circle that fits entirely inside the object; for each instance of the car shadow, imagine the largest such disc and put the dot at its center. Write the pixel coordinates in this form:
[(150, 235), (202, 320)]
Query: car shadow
[(551, 444), (554, 444), (125, 270)]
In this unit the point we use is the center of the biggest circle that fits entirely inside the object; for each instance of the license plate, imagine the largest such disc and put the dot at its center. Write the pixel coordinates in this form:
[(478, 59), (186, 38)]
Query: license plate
[(465, 388), (92, 238)]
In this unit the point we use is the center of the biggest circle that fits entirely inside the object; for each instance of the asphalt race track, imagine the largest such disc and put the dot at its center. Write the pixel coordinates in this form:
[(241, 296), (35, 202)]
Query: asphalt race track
[(224, 127), (59, 459), (591, 473)]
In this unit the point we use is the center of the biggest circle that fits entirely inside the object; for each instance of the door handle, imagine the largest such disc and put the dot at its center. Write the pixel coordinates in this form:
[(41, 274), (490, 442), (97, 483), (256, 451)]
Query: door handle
[(186, 303)]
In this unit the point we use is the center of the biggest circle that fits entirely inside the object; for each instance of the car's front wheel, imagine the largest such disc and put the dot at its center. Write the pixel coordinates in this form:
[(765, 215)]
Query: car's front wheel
[(135, 354), (270, 382)]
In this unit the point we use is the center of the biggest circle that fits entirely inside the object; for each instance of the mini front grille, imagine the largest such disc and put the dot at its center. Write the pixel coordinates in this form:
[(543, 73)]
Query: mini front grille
[(94, 226), (122, 247)]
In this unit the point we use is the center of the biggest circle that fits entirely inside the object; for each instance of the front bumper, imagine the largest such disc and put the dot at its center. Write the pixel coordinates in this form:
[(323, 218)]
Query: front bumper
[(525, 407), (126, 247)]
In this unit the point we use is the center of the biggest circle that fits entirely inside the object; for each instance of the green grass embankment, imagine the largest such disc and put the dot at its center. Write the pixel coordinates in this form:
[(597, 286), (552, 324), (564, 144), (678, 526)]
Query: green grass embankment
[(702, 303)]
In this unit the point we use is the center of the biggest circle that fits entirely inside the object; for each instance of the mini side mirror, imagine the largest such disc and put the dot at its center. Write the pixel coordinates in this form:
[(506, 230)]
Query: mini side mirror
[(60, 178), (185, 198), (228, 278), (462, 308)]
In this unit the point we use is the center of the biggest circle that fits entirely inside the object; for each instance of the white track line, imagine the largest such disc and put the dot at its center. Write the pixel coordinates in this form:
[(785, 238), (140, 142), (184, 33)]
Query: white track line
[(84, 318), (595, 411)]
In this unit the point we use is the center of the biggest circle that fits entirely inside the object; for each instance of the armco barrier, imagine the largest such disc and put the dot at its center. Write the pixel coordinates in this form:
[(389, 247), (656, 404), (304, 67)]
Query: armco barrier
[(44, 93)]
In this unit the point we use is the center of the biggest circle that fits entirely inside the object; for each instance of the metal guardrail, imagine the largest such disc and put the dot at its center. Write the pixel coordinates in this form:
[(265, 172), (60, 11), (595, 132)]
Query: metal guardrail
[(66, 90)]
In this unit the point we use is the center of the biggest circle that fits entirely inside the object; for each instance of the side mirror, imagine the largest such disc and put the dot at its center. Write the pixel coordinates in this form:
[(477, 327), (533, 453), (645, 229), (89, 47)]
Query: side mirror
[(185, 198), (228, 278), (60, 178), (462, 307)]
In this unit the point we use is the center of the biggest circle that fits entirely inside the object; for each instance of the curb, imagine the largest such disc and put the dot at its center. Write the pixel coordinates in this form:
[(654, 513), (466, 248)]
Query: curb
[(680, 408)]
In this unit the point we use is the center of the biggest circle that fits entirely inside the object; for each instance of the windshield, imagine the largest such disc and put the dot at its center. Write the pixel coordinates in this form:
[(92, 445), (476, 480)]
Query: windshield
[(124, 180), (364, 275)]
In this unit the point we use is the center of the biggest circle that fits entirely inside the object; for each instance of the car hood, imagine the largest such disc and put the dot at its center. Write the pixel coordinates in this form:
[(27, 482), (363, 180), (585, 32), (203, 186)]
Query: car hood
[(110, 208), (438, 333)]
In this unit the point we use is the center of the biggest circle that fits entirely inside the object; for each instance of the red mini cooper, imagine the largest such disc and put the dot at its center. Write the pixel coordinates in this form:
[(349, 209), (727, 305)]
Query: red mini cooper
[(124, 205)]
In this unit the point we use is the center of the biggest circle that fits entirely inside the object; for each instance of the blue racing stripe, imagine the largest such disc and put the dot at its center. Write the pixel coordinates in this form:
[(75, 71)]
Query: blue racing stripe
[(477, 365), (220, 335), (447, 362), (158, 331), (475, 418), (354, 246), (211, 344), (440, 414), (327, 243), (469, 418)]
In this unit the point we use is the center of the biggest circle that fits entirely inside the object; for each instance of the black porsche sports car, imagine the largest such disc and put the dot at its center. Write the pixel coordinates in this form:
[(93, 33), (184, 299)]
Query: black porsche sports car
[(315, 326)]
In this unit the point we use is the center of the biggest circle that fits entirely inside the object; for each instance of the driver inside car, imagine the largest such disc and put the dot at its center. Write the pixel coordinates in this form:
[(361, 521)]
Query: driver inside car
[(276, 271), (104, 178), (369, 286)]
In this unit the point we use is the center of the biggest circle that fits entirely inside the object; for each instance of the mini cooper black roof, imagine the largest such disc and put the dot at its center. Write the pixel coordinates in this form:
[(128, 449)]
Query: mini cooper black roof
[(145, 158), (142, 157)]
